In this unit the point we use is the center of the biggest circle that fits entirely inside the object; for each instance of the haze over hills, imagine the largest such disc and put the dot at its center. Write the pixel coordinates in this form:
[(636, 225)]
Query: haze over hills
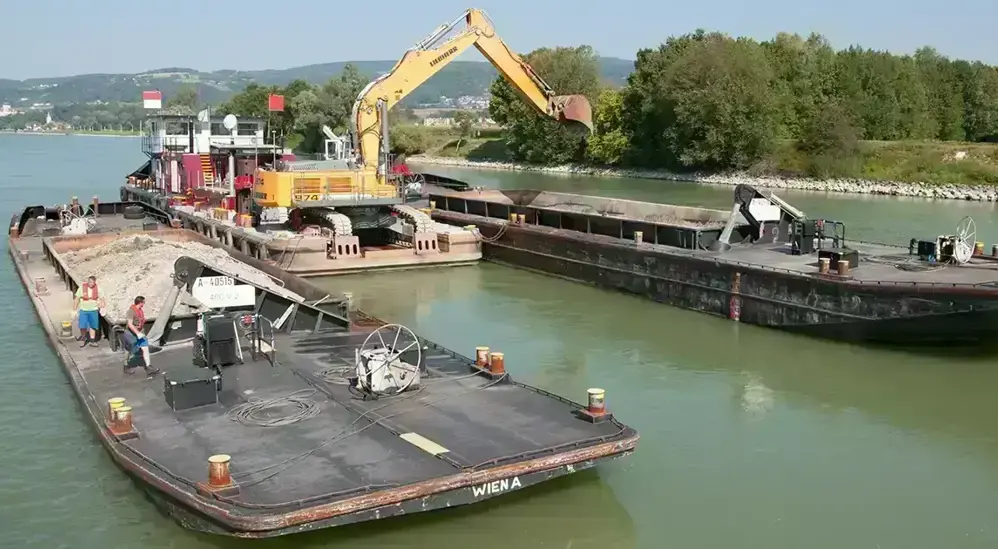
[(459, 78)]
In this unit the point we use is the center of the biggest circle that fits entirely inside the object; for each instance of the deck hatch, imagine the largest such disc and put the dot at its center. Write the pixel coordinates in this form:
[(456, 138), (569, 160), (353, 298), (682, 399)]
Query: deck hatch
[(423, 443)]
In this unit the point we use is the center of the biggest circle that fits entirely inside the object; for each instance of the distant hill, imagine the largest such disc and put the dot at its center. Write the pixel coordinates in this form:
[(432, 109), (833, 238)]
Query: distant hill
[(457, 79)]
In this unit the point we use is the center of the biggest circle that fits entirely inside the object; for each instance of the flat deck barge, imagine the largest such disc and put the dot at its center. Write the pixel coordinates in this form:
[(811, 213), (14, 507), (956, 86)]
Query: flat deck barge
[(467, 432), (764, 262), (316, 254)]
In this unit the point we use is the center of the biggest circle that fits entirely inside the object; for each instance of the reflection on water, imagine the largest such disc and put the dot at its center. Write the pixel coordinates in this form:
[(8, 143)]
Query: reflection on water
[(751, 438)]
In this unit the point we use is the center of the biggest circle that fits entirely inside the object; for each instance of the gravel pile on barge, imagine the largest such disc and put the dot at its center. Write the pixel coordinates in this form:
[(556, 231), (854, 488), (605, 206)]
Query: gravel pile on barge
[(142, 265)]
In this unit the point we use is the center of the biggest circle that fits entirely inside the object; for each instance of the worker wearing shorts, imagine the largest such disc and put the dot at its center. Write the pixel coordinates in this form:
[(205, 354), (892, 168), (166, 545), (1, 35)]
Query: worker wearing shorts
[(88, 303), (134, 338)]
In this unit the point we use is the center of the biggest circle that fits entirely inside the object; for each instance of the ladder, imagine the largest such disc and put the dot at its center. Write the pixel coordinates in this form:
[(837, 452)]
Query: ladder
[(207, 170)]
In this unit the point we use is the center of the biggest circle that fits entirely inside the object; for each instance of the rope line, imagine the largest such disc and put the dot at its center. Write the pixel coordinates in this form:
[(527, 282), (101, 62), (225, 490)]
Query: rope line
[(258, 412)]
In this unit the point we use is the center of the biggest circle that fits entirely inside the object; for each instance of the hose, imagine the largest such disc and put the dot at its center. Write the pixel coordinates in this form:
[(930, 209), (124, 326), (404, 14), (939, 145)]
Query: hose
[(255, 412)]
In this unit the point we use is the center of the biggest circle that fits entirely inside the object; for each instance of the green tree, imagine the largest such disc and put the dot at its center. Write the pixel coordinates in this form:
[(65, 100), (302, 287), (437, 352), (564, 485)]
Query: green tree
[(464, 122), (830, 140), (708, 103), (609, 143), (185, 97), (534, 137), (981, 107), (330, 105)]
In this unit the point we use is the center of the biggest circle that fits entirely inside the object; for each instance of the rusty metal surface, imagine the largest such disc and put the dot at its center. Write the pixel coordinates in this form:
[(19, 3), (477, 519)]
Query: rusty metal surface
[(829, 306), (227, 514), (574, 109)]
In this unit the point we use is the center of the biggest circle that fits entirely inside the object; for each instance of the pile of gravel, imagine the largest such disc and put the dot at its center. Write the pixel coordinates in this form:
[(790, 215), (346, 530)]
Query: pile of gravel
[(142, 265)]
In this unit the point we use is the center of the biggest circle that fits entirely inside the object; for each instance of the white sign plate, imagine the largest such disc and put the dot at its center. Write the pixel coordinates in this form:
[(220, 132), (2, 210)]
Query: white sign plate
[(222, 291)]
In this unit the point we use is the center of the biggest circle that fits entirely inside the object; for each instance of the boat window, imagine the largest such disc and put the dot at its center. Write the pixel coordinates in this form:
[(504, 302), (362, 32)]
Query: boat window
[(247, 128)]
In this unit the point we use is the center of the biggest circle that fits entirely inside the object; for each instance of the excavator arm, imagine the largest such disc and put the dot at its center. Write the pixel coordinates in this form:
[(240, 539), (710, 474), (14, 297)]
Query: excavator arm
[(431, 55)]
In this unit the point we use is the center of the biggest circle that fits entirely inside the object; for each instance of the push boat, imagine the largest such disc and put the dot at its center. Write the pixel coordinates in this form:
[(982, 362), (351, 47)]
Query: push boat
[(382, 422), (763, 262)]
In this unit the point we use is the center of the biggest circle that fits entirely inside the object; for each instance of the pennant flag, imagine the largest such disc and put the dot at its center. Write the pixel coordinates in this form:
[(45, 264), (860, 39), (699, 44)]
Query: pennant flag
[(152, 99), (275, 103)]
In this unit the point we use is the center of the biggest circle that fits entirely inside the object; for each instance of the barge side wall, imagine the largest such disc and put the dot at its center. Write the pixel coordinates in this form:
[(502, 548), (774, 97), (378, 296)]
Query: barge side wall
[(822, 306)]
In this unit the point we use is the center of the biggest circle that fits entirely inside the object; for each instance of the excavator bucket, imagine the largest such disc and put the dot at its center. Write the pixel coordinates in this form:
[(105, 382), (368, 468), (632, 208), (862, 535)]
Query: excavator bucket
[(574, 110)]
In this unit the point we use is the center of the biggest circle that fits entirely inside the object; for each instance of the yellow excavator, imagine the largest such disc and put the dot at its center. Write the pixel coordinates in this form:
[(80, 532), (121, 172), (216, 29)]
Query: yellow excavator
[(356, 173)]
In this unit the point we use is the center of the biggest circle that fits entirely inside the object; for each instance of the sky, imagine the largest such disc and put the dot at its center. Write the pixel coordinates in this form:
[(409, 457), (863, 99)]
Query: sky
[(43, 38)]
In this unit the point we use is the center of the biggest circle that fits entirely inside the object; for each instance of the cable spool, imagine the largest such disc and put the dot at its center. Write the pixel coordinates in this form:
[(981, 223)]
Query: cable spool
[(382, 369), (966, 240)]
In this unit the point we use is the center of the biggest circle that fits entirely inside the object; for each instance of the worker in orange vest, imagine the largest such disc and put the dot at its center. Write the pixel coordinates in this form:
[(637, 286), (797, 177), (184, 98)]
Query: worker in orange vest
[(87, 305)]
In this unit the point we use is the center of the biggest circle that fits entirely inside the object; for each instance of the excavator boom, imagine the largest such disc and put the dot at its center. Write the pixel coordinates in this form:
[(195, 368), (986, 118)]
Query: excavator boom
[(432, 54)]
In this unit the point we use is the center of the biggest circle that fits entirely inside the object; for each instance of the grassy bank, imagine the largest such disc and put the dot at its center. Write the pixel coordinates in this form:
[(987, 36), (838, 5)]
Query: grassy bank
[(914, 162)]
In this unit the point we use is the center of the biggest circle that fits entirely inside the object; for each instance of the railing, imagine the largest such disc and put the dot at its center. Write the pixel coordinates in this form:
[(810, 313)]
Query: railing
[(313, 187), (990, 286), (157, 144)]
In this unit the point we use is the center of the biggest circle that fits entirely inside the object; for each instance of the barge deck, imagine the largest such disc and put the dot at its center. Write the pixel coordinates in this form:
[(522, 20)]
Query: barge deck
[(750, 270), (313, 255), (465, 434)]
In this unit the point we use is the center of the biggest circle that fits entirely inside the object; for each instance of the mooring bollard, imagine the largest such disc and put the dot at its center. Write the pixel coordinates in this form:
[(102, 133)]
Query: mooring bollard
[(994, 250), (218, 470), (597, 402), (843, 266), (433, 204), (113, 404), (122, 420), (481, 357), (823, 263), (497, 364), (521, 219), (978, 248), (639, 237), (66, 328), (512, 218)]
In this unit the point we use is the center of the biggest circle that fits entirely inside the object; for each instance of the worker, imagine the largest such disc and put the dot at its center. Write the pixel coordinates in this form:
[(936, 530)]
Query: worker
[(134, 338), (87, 305)]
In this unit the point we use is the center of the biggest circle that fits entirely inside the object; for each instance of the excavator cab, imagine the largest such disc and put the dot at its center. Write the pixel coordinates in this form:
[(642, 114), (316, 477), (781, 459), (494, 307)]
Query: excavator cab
[(574, 111)]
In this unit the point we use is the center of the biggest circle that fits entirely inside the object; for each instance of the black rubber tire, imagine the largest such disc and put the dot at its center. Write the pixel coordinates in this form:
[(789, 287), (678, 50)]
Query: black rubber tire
[(134, 212)]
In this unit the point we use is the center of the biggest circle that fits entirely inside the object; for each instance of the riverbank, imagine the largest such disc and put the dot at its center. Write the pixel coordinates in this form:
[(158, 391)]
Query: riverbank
[(982, 193), (88, 134)]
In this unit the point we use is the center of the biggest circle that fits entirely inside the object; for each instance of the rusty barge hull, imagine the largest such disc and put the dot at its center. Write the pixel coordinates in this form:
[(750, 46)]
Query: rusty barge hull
[(762, 284), (371, 475)]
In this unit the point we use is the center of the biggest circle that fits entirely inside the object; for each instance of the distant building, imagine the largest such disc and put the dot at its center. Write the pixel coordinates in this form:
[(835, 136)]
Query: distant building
[(7, 110)]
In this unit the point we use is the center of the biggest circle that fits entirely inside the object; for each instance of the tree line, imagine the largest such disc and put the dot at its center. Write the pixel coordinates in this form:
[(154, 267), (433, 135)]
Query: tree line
[(707, 101)]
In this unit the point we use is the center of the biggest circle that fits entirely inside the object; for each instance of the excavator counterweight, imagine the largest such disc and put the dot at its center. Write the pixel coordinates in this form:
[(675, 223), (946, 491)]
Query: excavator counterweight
[(574, 110)]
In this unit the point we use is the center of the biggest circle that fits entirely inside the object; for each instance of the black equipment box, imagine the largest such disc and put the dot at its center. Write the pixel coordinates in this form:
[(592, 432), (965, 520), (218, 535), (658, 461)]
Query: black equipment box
[(926, 249), (221, 342), (802, 236), (188, 387), (835, 255)]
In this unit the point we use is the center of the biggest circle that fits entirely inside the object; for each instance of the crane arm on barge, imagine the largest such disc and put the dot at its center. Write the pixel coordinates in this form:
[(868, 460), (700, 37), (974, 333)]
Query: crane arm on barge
[(432, 54)]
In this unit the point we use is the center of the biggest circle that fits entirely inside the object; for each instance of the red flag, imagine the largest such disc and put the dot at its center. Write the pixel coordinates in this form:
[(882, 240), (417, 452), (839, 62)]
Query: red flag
[(152, 99), (275, 103)]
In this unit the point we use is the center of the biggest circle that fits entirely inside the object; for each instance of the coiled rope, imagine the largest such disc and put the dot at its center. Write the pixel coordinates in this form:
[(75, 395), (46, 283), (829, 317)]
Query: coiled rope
[(262, 412)]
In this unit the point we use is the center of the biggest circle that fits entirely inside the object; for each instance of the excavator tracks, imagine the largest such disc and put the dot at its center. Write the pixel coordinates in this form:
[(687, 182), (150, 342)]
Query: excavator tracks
[(419, 220), (338, 223)]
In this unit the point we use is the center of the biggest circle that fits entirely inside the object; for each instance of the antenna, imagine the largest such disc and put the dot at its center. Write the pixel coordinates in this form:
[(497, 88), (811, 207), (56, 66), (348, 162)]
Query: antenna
[(230, 121)]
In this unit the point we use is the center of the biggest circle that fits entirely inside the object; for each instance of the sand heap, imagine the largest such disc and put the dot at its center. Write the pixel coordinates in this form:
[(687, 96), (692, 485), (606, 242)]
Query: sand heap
[(142, 265)]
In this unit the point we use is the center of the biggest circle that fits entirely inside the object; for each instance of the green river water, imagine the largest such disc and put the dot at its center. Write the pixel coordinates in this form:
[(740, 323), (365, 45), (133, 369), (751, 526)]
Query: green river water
[(751, 438)]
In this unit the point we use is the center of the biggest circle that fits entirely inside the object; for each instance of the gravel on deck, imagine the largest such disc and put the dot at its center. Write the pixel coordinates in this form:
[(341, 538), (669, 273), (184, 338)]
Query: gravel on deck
[(142, 265)]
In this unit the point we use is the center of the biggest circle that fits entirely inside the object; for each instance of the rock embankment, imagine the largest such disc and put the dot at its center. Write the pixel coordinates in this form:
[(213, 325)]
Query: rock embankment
[(984, 193), (142, 265)]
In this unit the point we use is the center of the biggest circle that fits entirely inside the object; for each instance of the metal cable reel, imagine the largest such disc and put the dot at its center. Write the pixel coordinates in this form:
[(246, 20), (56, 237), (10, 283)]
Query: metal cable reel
[(966, 236), (387, 369)]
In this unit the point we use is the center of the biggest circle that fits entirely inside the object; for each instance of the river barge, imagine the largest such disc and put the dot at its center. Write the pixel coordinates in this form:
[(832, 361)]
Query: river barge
[(381, 429), (221, 177), (763, 262)]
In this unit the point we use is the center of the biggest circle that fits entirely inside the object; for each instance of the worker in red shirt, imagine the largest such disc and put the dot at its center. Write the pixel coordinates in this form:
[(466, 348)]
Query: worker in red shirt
[(135, 338)]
